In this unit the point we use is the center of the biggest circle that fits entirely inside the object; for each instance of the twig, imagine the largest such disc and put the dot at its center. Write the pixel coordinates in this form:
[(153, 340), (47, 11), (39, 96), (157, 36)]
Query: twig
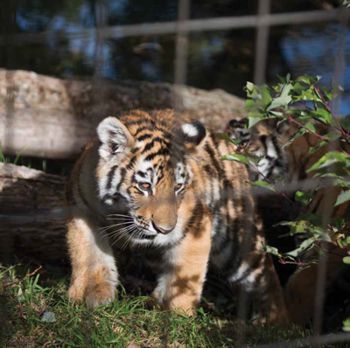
[(299, 124), (34, 272)]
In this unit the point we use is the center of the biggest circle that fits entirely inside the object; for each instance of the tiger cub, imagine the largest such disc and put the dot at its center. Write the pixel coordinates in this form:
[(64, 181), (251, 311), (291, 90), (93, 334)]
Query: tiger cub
[(159, 187), (266, 141)]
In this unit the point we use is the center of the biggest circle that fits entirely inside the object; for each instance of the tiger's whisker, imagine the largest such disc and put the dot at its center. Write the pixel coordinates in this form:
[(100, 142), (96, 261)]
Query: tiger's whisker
[(116, 225)]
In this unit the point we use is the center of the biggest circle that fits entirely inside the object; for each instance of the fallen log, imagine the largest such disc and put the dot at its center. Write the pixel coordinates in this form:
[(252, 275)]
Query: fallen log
[(53, 118), (32, 214)]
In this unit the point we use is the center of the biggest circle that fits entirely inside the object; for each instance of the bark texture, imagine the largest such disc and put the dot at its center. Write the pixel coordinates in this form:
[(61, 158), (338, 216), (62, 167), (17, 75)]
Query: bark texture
[(32, 214), (53, 118)]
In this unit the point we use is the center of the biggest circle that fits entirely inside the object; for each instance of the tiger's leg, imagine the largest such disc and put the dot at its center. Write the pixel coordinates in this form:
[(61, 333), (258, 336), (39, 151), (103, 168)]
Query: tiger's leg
[(257, 276), (271, 293), (94, 273), (180, 287)]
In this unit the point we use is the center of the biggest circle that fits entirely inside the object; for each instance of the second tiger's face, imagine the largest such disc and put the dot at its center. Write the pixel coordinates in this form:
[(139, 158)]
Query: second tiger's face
[(263, 145)]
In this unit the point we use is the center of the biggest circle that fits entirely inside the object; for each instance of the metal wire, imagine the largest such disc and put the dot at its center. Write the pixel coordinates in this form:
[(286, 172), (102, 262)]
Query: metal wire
[(261, 43), (181, 44), (180, 70), (193, 25), (321, 281)]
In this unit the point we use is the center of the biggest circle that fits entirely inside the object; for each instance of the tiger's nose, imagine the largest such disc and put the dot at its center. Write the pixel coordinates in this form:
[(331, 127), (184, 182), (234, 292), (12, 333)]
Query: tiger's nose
[(162, 229)]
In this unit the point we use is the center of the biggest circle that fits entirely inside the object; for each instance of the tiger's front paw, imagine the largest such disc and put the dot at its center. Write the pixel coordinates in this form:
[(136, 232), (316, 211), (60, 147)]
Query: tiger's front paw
[(95, 287), (76, 292), (101, 288), (94, 295), (181, 304), (99, 294)]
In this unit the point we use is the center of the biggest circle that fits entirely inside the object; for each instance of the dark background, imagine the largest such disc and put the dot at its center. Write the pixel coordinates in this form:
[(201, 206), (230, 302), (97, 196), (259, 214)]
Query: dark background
[(216, 59)]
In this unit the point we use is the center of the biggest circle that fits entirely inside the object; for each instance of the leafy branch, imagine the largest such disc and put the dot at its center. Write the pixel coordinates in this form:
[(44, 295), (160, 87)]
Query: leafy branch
[(305, 107)]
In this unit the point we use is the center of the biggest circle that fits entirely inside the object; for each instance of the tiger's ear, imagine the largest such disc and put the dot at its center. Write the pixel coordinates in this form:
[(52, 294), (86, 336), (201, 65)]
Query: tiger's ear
[(238, 130), (114, 136), (193, 134), (241, 123)]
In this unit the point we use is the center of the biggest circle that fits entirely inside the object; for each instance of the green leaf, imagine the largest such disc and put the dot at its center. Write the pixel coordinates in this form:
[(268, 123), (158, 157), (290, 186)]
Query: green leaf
[(307, 223), (295, 136), (252, 121), (278, 114), (330, 158), (252, 90), (249, 86), (346, 325), (301, 226), (264, 184), (342, 182), (303, 197), (272, 250), (305, 245), (310, 127), (342, 198), (339, 180), (237, 157), (308, 80), (346, 260), (315, 148), (323, 115), (265, 96), (226, 137), (249, 104), (284, 223), (283, 100)]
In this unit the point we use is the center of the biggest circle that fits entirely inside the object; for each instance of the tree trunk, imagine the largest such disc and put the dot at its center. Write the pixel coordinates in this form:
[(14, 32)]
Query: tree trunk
[(52, 118), (32, 214)]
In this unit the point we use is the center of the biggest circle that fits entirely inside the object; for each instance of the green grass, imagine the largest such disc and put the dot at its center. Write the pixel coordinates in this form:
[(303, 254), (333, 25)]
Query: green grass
[(26, 299), (53, 166), (9, 159)]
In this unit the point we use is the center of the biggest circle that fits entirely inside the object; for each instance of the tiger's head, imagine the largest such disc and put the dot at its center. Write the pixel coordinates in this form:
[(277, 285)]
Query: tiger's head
[(264, 144), (143, 174)]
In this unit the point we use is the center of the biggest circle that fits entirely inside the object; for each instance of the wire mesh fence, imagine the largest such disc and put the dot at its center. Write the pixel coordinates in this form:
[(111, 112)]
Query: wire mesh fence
[(182, 28)]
